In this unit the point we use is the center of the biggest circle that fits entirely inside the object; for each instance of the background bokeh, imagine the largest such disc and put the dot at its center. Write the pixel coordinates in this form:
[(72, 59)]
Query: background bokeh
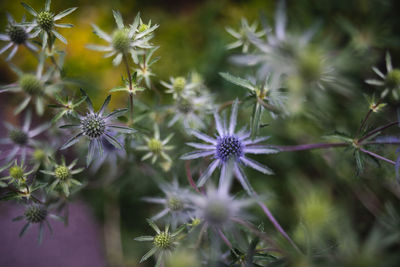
[(319, 190)]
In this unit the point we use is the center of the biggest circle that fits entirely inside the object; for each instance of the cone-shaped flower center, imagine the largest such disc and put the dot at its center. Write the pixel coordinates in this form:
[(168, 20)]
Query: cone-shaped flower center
[(393, 79), (228, 146), (17, 34), (155, 145), (93, 126), (45, 20), (17, 172), (185, 106), (19, 137), (143, 27), (174, 203), (35, 214), (179, 84), (62, 172), (216, 212), (121, 40), (30, 84), (163, 240)]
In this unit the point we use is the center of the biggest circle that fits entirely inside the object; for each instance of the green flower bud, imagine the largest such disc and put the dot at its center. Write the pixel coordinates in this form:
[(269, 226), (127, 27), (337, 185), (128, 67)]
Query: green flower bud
[(179, 84), (154, 145), (175, 203), (16, 172), (62, 172), (163, 240), (143, 27), (30, 84), (45, 20), (121, 40), (393, 79)]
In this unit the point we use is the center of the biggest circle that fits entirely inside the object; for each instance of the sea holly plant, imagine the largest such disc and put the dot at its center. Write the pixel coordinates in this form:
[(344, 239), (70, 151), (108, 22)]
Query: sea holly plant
[(95, 126), (212, 215)]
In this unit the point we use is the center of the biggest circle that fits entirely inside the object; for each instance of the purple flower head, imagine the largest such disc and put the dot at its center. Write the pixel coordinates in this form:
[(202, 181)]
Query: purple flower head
[(97, 126), (229, 145), (21, 139)]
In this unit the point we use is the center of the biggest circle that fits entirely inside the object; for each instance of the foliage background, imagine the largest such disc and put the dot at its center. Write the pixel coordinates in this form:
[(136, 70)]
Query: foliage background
[(192, 36)]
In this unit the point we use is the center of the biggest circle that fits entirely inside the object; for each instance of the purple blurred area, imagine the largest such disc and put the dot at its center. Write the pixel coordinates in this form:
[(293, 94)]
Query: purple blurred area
[(76, 245)]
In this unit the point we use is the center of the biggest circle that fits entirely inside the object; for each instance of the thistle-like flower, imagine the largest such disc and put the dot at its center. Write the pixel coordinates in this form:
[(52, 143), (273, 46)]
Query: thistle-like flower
[(37, 214), (125, 40), (67, 106), (16, 35), (45, 22), (143, 70), (175, 203), (163, 243), (179, 87), (17, 174), (63, 175), (190, 112), (35, 87), (96, 126), (216, 209), (242, 35), (229, 145), (21, 139), (390, 82), (156, 147)]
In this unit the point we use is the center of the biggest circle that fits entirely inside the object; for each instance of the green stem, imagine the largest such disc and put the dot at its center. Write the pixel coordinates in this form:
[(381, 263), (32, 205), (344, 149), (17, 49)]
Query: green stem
[(130, 87)]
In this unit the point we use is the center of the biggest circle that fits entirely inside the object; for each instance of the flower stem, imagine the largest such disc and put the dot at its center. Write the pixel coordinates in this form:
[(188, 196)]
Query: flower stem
[(310, 146), (130, 87), (377, 130), (275, 223), (377, 156)]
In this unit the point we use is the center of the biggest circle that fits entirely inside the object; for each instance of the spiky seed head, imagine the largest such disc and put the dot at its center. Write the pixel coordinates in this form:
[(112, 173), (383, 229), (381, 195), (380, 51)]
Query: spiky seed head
[(143, 27), (163, 240), (229, 146), (216, 212), (179, 84), (19, 137), (393, 79), (155, 145), (39, 155), (62, 172), (121, 41), (174, 203), (30, 84), (17, 34), (35, 213), (93, 126), (45, 20), (16, 172)]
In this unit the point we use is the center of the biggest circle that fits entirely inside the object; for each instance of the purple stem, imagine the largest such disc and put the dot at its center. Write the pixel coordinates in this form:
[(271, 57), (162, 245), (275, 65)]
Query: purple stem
[(310, 146), (276, 224), (224, 238), (377, 156), (377, 130)]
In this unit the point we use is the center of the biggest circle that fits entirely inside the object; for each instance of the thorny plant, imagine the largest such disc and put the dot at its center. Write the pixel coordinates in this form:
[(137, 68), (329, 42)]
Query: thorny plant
[(199, 215)]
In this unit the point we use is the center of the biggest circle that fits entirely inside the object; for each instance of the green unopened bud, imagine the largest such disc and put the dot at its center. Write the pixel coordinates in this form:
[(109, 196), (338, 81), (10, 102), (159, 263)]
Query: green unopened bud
[(175, 203), (393, 79), (30, 84), (39, 155), (154, 145), (179, 84), (45, 20), (62, 172), (121, 40), (16, 172), (143, 27), (163, 240)]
